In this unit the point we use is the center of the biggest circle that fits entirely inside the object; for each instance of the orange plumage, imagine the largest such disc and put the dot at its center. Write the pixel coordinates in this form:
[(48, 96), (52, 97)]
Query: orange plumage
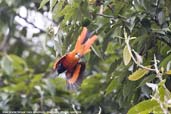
[(70, 63)]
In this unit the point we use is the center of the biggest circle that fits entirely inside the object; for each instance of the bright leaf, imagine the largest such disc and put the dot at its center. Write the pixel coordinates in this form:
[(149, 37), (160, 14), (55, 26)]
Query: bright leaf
[(17, 59), (52, 4), (6, 64), (144, 107), (138, 74), (168, 72), (126, 55), (149, 78), (43, 2), (165, 61), (113, 85)]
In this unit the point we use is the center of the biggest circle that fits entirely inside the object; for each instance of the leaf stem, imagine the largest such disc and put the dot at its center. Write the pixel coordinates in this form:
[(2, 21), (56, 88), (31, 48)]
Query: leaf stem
[(133, 58)]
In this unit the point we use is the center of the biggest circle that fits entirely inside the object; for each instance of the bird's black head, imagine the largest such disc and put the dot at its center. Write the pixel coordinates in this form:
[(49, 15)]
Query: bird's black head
[(60, 68)]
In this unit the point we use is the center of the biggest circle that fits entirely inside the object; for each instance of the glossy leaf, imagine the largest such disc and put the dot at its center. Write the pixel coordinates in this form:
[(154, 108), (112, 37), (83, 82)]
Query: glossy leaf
[(138, 74), (43, 2), (164, 62), (6, 64), (113, 67), (52, 4), (168, 72), (96, 51), (126, 55), (17, 59), (113, 85), (149, 78), (35, 81), (144, 107)]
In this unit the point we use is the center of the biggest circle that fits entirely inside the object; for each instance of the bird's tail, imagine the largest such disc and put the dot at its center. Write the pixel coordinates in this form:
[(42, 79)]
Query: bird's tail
[(83, 44)]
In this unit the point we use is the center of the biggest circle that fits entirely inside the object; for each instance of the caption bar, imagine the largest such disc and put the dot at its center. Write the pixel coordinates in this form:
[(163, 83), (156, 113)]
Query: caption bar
[(41, 112)]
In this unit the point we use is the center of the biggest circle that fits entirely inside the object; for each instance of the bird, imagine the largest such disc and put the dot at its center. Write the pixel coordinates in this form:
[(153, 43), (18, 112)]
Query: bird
[(71, 63)]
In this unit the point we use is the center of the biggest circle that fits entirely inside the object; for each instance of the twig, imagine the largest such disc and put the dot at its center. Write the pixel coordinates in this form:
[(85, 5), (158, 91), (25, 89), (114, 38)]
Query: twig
[(111, 8), (133, 58), (156, 69), (41, 100), (107, 16), (157, 5), (101, 9), (100, 110), (73, 106), (155, 65), (5, 43)]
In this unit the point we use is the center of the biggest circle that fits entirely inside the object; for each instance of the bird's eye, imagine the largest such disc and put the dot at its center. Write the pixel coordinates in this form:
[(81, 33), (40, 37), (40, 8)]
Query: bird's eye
[(77, 55)]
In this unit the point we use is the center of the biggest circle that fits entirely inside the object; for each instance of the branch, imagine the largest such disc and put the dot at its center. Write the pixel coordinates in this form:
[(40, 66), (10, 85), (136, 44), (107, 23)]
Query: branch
[(111, 8), (73, 106), (159, 75), (133, 58), (100, 110), (107, 16), (5, 42), (157, 5)]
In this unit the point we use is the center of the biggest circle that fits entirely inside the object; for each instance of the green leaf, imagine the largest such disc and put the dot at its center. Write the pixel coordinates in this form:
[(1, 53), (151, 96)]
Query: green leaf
[(69, 11), (91, 99), (19, 87), (168, 72), (146, 79), (52, 4), (161, 93), (113, 66), (60, 82), (126, 55), (15, 88), (35, 80), (131, 23), (107, 39), (164, 93), (18, 64), (91, 82), (43, 2), (165, 61), (57, 10), (113, 85), (128, 90), (6, 64), (138, 74), (17, 59), (144, 107), (96, 51)]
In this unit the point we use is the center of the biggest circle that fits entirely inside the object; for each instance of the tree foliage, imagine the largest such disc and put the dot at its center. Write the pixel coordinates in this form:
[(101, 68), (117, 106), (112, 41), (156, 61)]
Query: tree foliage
[(128, 69)]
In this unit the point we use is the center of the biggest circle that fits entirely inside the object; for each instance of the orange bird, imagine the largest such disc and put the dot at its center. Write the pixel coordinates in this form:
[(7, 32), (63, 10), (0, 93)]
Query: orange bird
[(70, 63)]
